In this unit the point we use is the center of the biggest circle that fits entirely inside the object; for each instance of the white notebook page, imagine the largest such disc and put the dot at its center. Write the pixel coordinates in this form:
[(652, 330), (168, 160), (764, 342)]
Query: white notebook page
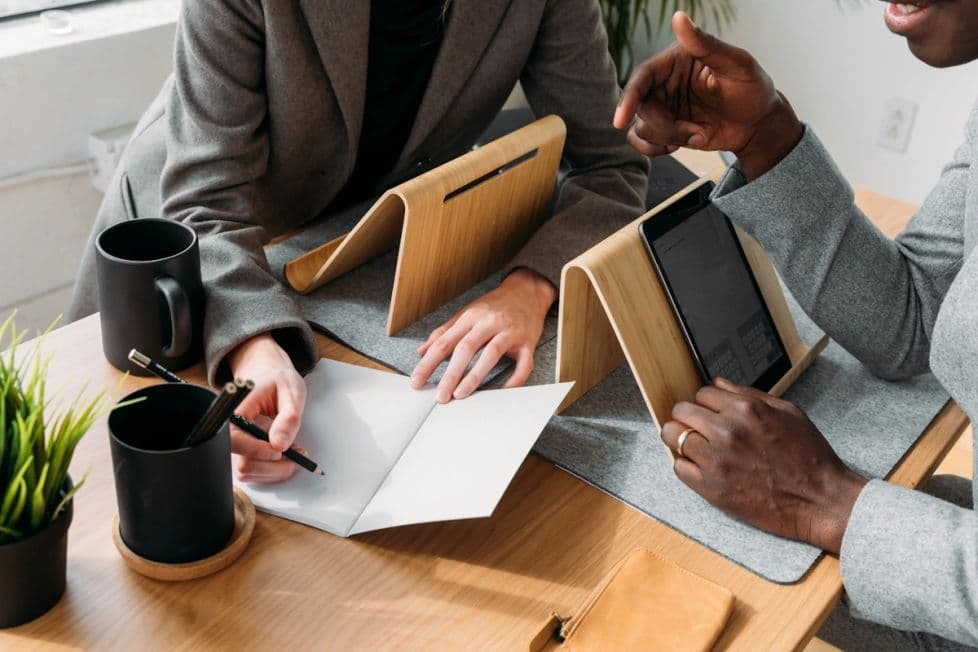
[(392, 456), (356, 423), (463, 457)]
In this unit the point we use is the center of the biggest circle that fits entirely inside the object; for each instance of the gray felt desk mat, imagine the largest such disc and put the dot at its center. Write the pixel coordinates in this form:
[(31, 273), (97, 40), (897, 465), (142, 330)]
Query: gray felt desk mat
[(608, 438)]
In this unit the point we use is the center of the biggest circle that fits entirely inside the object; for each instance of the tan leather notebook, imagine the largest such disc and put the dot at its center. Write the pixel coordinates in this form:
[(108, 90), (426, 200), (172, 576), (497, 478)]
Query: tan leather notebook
[(644, 603)]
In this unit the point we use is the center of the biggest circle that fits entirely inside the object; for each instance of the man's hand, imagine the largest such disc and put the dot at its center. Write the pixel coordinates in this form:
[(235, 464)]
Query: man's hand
[(705, 94), (761, 459), (279, 396), (506, 321)]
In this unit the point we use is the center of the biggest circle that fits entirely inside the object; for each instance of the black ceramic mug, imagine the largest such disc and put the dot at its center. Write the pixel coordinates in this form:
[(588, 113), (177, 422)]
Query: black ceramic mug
[(175, 502), (150, 293)]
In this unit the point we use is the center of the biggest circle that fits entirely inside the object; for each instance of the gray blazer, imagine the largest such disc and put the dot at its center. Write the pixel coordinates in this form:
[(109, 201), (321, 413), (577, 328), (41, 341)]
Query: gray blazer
[(257, 132), (903, 307)]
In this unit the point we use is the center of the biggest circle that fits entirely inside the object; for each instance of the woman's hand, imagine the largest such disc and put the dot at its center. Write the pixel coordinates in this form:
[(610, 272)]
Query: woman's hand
[(279, 396), (705, 94), (761, 459), (506, 321)]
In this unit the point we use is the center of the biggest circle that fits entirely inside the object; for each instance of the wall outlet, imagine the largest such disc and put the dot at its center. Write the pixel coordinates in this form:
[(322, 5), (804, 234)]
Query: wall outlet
[(104, 151), (898, 116)]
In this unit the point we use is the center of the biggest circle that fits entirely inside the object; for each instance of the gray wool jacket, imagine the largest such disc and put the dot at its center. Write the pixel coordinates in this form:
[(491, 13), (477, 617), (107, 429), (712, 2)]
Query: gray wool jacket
[(903, 307), (257, 132)]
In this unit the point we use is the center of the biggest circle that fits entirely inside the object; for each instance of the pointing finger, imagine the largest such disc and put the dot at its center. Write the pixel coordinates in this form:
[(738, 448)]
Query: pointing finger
[(710, 50)]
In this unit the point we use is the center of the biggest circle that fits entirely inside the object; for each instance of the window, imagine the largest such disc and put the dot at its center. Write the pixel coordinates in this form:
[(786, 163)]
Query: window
[(11, 8)]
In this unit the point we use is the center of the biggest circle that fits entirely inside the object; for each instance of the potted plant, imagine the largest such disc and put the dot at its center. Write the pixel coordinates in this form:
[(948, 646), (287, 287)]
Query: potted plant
[(622, 19), (36, 491)]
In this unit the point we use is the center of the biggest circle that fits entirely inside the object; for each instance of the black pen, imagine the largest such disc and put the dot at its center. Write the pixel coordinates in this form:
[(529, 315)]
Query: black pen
[(149, 364)]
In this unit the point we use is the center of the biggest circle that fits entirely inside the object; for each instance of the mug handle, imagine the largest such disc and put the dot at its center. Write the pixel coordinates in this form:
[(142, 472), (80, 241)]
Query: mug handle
[(180, 321)]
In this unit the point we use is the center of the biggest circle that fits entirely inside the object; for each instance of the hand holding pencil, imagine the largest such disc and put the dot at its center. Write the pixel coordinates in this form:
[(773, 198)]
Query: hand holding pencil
[(276, 403), (227, 404)]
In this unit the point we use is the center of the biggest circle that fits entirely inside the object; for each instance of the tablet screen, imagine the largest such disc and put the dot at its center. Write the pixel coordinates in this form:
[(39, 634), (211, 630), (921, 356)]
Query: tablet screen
[(718, 301)]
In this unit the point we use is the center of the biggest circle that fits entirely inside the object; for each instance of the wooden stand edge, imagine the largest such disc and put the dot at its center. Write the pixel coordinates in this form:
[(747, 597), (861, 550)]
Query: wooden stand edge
[(613, 308), (456, 224)]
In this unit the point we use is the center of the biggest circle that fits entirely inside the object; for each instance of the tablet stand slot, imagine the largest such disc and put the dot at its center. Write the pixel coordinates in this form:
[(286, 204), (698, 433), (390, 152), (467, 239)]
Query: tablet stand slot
[(454, 225), (491, 175)]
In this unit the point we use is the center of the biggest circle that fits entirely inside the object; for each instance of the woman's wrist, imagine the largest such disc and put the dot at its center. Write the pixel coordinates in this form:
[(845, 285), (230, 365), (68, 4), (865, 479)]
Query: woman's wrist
[(258, 347), (776, 135), (541, 290), (832, 516)]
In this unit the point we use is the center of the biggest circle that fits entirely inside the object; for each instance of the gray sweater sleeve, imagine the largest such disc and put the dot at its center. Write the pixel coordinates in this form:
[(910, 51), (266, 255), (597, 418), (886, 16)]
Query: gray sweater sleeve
[(849, 277), (570, 73), (218, 151), (909, 560)]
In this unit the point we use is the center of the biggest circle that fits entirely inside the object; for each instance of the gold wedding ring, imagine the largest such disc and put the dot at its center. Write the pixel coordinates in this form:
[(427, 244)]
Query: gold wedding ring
[(682, 440)]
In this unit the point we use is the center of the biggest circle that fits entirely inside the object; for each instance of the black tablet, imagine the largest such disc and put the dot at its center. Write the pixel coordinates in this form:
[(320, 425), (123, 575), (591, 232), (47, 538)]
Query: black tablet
[(699, 260)]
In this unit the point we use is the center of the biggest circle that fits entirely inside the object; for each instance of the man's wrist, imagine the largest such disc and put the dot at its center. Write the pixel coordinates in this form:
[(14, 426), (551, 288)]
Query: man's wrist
[(776, 135)]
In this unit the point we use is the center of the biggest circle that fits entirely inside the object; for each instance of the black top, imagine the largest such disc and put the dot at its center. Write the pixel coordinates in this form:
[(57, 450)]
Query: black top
[(405, 36)]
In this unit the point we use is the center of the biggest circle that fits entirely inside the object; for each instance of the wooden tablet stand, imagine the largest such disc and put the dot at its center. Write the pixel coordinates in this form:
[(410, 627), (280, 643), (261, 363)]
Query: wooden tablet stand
[(613, 308), (456, 224)]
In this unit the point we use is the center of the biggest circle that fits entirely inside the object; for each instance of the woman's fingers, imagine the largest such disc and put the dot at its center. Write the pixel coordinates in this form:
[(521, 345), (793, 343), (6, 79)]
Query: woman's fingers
[(488, 359), (659, 69), (640, 85), (435, 334), (690, 474), (437, 352), (647, 148), (695, 446), (290, 399), (711, 51), (244, 444), (752, 392), (250, 470), (697, 417), (464, 352), (275, 404), (507, 320), (658, 125), (524, 367)]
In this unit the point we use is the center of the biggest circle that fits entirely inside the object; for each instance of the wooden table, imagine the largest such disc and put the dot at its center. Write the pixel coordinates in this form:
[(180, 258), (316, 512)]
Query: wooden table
[(473, 585)]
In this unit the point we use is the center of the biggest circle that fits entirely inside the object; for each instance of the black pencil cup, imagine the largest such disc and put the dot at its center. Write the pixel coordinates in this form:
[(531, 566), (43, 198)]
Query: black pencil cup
[(175, 502)]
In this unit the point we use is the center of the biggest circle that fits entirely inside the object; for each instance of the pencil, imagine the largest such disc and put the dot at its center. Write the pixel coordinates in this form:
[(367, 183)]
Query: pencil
[(214, 417), (149, 364), (244, 388), (290, 453)]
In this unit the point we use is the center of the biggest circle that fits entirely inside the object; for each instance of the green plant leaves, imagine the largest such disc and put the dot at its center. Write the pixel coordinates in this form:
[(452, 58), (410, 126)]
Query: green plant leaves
[(39, 500), (35, 452), (623, 17)]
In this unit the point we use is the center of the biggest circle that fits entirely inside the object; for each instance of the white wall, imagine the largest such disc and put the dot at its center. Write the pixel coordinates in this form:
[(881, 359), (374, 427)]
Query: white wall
[(838, 66), (54, 91)]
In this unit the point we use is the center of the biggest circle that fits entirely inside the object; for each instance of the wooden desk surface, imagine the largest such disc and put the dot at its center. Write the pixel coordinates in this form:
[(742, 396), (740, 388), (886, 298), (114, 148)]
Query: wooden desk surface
[(477, 584)]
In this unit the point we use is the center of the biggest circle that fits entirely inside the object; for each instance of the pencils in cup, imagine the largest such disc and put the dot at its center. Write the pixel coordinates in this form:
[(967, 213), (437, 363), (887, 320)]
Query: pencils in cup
[(241, 392), (215, 416)]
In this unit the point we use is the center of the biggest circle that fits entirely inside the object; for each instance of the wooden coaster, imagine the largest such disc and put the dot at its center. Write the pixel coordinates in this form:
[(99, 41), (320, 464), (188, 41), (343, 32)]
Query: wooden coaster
[(244, 525)]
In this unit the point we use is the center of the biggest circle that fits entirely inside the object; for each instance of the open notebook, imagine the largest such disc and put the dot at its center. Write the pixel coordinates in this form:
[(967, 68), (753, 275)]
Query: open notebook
[(392, 456)]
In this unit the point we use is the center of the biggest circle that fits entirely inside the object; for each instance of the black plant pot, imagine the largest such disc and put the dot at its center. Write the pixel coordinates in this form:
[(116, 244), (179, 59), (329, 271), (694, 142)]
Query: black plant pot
[(32, 571)]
